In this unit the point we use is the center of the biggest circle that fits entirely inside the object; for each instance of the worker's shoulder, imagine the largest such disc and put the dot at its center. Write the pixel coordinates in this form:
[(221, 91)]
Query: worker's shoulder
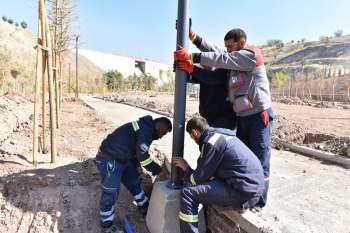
[(214, 139)]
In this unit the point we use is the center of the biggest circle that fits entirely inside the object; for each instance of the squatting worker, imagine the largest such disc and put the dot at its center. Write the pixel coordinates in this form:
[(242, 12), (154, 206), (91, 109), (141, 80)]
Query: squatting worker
[(248, 90), (119, 155), (227, 173)]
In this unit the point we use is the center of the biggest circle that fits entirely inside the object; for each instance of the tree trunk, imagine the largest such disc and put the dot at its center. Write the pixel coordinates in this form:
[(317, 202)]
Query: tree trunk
[(333, 88)]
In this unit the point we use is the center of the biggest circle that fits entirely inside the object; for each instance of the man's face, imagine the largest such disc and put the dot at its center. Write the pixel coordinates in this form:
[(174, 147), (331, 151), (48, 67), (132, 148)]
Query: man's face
[(160, 133), (195, 135), (232, 45)]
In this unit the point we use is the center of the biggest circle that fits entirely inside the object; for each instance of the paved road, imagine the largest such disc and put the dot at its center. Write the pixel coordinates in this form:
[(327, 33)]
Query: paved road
[(306, 195)]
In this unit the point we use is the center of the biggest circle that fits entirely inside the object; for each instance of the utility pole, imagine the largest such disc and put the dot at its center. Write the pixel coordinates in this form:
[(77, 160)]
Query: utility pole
[(180, 95), (76, 68)]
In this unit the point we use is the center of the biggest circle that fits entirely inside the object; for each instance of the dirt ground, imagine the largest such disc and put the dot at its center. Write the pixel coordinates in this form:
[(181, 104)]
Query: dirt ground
[(60, 197), (321, 126)]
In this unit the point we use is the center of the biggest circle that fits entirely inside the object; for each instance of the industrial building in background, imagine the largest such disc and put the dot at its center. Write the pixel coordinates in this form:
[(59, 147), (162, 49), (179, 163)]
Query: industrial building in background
[(129, 65)]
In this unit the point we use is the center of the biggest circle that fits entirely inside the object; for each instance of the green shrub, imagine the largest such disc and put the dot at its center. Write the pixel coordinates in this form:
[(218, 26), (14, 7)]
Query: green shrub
[(113, 80), (278, 79)]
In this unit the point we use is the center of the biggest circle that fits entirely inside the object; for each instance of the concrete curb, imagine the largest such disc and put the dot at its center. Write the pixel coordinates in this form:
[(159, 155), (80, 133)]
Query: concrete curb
[(248, 221), (322, 155)]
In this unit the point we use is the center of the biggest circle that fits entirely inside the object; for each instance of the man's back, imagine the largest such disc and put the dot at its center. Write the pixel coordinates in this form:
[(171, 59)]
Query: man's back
[(239, 167), (121, 144), (214, 105)]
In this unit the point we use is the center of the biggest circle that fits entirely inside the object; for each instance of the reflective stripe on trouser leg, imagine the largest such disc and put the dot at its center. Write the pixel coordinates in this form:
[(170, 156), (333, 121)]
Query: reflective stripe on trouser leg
[(141, 199), (107, 216), (188, 222), (111, 172), (188, 214), (107, 209)]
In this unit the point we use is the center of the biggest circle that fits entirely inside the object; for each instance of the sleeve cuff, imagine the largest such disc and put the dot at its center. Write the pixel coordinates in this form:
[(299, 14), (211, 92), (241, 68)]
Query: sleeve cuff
[(197, 41), (156, 169)]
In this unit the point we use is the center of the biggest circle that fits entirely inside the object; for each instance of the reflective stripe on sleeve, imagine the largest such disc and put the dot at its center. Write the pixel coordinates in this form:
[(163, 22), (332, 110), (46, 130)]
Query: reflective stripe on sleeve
[(146, 162), (135, 125), (214, 138)]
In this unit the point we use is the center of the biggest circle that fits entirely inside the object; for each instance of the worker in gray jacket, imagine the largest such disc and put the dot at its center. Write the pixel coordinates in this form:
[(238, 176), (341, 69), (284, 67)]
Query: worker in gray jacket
[(248, 90)]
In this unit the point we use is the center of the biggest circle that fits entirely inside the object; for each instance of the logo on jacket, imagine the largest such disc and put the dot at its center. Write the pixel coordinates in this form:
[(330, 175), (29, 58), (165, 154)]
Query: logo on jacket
[(237, 81)]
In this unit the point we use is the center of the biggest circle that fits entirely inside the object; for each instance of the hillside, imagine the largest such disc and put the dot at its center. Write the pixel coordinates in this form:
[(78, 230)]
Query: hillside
[(313, 64), (18, 58)]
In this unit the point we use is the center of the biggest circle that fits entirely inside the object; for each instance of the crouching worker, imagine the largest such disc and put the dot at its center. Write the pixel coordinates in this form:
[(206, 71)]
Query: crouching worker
[(118, 158), (227, 174)]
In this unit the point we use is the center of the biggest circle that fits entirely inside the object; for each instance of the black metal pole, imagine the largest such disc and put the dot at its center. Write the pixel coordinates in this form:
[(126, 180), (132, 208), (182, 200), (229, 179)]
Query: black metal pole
[(180, 95), (76, 68)]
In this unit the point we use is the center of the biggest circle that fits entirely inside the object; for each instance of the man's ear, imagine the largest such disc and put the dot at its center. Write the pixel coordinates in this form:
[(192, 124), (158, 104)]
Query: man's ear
[(194, 132), (242, 43)]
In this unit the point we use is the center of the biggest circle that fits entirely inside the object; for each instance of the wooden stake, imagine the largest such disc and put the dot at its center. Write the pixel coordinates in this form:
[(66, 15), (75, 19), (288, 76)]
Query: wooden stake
[(51, 86), (60, 90), (36, 87), (43, 91), (55, 64), (55, 80)]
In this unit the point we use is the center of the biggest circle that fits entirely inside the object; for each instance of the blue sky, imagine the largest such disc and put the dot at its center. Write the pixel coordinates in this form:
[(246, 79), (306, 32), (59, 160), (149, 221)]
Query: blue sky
[(146, 27)]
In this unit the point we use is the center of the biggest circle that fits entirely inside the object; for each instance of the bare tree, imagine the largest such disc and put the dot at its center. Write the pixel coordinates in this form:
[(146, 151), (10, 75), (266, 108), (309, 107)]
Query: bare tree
[(339, 72), (61, 18)]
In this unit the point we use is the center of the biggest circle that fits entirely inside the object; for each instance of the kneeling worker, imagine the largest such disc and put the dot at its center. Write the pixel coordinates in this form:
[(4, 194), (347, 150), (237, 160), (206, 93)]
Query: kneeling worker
[(118, 158), (227, 174)]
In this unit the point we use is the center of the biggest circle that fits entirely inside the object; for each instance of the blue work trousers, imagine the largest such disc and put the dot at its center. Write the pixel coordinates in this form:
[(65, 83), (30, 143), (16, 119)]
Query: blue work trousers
[(257, 136), (214, 192), (112, 173)]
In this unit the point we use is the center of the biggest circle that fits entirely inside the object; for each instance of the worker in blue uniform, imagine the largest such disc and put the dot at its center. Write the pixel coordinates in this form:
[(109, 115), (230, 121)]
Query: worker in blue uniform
[(227, 174), (119, 155)]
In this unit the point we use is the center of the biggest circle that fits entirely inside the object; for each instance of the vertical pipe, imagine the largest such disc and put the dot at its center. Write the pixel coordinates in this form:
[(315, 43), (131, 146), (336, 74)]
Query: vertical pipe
[(180, 95), (76, 68)]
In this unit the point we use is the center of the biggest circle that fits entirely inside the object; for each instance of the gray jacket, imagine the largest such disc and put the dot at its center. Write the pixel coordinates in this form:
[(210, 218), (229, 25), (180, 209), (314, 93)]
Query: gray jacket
[(248, 85)]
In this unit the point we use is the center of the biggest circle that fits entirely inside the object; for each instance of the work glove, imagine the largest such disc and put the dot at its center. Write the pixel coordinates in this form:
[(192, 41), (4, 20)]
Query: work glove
[(186, 66), (265, 117), (181, 55)]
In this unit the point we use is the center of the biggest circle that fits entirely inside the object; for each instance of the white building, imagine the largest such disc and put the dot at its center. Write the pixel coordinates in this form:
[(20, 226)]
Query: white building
[(129, 65)]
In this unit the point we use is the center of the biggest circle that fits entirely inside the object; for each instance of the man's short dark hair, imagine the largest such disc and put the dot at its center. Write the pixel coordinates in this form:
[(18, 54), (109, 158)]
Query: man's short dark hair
[(235, 34), (164, 122), (197, 122)]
